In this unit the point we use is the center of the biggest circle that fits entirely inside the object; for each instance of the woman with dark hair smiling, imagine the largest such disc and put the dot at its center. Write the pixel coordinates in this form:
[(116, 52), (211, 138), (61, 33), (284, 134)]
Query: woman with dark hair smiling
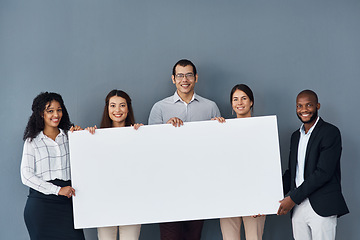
[(118, 112), (242, 102), (45, 168)]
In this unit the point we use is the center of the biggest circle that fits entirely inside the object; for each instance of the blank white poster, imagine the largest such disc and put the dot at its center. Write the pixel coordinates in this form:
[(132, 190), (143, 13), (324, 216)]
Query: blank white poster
[(161, 173)]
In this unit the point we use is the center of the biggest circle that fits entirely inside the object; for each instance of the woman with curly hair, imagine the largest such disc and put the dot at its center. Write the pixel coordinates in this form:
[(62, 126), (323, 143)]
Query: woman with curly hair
[(45, 168)]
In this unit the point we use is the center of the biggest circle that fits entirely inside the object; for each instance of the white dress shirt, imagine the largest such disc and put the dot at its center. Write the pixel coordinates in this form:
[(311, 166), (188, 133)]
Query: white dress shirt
[(45, 159), (303, 142)]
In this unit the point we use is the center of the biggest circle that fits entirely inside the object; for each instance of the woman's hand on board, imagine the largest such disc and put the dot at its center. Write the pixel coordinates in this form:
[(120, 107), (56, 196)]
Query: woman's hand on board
[(137, 125), (91, 129), (67, 191), (75, 128)]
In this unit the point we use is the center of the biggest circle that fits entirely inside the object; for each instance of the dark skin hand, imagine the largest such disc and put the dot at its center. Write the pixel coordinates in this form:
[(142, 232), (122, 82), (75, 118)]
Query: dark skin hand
[(67, 191), (285, 206)]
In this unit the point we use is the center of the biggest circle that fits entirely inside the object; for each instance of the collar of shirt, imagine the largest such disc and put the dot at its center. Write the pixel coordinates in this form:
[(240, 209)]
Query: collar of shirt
[(42, 135), (302, 130), (176, 98)]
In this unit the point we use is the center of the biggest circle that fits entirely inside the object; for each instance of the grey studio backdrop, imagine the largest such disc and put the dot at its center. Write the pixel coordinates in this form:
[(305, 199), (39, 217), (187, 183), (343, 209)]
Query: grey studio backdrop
[(84, 48)]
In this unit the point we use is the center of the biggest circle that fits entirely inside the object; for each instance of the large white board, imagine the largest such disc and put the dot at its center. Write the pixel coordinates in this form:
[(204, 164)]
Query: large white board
[(160, 173)]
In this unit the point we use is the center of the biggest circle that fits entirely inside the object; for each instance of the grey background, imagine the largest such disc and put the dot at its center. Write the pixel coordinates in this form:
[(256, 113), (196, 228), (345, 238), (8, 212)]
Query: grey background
[(83, 49)]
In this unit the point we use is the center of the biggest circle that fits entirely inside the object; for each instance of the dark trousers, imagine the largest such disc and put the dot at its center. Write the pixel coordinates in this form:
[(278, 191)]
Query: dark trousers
[(186, 230)]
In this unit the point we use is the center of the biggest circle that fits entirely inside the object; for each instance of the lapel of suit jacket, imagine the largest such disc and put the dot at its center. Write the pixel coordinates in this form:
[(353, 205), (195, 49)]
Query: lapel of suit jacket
[(312, 139), (295, 159)]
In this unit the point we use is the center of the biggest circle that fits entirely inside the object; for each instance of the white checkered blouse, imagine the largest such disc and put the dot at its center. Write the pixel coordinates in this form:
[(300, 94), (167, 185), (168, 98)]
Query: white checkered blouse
[(45, 159)]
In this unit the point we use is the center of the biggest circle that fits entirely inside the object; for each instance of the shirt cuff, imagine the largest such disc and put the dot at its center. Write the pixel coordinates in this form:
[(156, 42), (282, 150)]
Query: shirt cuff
[(55, 189)]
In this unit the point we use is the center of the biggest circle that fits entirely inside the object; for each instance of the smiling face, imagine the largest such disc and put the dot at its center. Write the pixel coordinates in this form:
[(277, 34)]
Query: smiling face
[(307, 109), (241, 104), (184, 80), (52, 114), (118, 111)]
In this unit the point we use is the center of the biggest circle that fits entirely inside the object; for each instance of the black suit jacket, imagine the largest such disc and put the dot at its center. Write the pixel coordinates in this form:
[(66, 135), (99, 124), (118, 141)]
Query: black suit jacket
[(322, 175)]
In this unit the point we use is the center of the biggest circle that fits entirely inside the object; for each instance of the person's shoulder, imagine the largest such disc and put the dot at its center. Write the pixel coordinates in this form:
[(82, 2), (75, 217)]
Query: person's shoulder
[(37, 138), (297, 131), (28, 141), (166, 100), (33, 142), (327, 124), (205, 100), (159, 106), (295, 134), (328, 127)]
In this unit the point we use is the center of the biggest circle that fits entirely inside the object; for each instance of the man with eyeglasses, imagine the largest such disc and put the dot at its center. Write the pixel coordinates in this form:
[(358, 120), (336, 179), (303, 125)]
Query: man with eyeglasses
[(184, 106)]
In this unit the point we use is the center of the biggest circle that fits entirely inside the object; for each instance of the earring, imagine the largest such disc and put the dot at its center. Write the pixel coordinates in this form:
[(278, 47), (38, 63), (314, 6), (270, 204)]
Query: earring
[(232, 112)]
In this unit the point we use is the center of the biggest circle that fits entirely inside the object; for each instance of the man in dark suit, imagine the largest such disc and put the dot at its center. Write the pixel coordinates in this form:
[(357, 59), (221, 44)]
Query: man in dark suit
[(313, 178)]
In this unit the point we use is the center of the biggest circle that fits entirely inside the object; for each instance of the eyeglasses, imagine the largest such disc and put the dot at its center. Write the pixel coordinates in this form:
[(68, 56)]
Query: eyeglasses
[(180, 76)]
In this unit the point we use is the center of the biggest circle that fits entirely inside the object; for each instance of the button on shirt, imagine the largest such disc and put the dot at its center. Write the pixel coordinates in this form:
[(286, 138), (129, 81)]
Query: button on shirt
[(45, 159), (198, 109), (303, 142)]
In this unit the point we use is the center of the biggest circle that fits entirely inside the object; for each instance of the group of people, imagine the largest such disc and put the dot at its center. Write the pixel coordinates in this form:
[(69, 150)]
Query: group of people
[(312, 182)]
